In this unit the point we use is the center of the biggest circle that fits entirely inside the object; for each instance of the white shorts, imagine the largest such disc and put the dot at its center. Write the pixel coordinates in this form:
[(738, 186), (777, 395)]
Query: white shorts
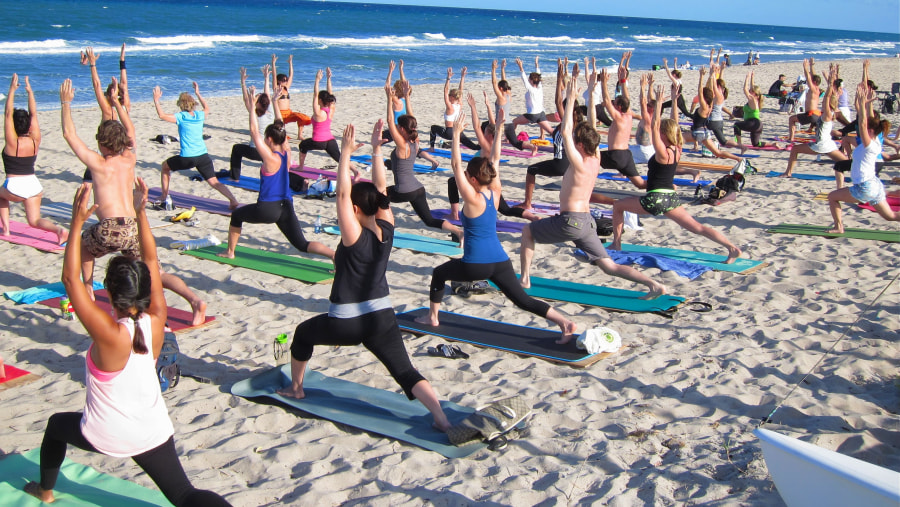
[(25, 187), (845, 111), (824, 146), (642, 154)]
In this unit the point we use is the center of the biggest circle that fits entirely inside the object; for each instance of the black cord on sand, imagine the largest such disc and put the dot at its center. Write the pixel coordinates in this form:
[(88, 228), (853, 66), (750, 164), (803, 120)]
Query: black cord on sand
[(768, 418)]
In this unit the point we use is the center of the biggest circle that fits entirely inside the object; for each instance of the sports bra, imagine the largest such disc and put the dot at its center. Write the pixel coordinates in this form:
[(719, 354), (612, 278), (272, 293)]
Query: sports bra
[(452, 117), (14, 165), (750, 114)]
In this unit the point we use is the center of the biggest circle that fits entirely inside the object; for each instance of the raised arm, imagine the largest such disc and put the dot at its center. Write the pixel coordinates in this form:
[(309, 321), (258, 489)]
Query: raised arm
[(522, 72), (201, 99), (575, 158), (9, 129), (700, 88), (496, 149), (622, 74), (379, 175), (494, 83), (612, 111), (123, 114), (402, 73), (89, 58), (315, 97), (85, 155), (747, 86), (487, 107), (669, 72), (123, 80), (865, 79), (290, 80), (560, 95), (466, 190), (591, 107), (448, 106), (267, 74), (157, 94), (645, 113), (399, 140), (476, 123), (829, 92), (658, 143)]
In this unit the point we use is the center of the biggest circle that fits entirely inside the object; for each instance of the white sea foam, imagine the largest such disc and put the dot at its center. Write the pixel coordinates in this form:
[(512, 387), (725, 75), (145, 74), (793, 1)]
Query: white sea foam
[(656, 39), (34, 46), (433, 40), (193, 39)]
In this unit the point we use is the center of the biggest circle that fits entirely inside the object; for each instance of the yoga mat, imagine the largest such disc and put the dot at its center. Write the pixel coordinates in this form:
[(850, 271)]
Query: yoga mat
[(801, 176), (509, 152), (186, 201), (700, 152), (313, 173), (249, 183), (502, 225), (417, 243), (178, 320), (465, 157), (527, 341), (893, 202), (678, 181), (77, 486), (288, 266), (16, 377), (24, 234), (373, 410), (64, 211), (704, 166), (603, 297), (744, 266), (41, 292), (849, 232), (419, 168)]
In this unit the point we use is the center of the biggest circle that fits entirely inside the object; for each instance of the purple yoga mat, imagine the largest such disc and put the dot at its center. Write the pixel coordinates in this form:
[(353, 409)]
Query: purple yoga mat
[(502, 225), (186, 201)]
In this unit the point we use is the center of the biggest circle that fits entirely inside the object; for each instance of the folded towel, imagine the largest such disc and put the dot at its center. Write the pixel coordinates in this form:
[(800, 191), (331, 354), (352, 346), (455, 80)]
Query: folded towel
[(41, 293)]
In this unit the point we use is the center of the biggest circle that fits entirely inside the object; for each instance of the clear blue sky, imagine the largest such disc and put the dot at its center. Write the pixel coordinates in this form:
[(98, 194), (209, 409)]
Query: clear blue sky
[(861, 15)]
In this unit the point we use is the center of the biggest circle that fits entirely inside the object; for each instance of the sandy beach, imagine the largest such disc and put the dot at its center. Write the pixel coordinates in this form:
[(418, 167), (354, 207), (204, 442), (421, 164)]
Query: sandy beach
[(667, 420)]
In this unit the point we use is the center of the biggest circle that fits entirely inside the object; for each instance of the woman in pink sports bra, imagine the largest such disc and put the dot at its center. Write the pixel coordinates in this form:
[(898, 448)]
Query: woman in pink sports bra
[(324, 105), (124, 414)]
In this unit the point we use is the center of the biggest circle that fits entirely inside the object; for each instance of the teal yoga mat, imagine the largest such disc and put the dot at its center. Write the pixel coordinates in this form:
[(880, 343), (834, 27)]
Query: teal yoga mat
[(849, 232), (418, 243), (714, 261), (78, 485), (374, 410), (597, 295)]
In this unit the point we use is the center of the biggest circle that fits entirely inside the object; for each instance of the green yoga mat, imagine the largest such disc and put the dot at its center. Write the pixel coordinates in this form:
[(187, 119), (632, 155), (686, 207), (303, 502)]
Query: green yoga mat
[(418, 243), (818, 230), (714, 261), (288, 266), (604, 297), (78, 485), (383, 412)]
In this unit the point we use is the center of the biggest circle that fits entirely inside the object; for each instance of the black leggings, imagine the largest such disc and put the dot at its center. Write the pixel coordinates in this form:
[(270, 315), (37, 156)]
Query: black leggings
[(753, 125), (160, 463), (447, 133), (601, 115), (330, 146), (377, 331), (510, 132), (681, 106), (502, 206), (501, 273), (280, 213), (242, 151), (419, 204), (717, 127), (551, 167)]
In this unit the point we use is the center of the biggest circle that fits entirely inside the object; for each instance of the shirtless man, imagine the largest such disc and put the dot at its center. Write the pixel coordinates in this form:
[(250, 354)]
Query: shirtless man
[(618, 156), (574, 222), (283, 104), (107, 111), (113, 180), (811, 109)]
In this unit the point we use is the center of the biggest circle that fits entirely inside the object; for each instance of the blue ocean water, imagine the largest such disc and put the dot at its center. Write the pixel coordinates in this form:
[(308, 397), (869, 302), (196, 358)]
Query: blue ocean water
[(171, 43)]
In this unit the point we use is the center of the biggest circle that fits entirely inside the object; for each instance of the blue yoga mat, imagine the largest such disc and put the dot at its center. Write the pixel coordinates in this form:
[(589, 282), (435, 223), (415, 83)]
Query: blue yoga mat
[(714, 261), (698, 152), (597, 295), (248, 183), (419, 168), (77, 486), (41, 293), (685, 182), (502, 225), (418, 243), (800, 176), (463, 156), (374, 410)]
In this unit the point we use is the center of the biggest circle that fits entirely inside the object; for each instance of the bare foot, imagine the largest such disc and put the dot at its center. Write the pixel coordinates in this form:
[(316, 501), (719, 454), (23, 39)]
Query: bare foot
[(225, 253), (443, 426), (733, 254), (292, 392), (34, 489), (657, 290), (568, 331), (428, 321), (233, 205), (743, 149), (525, 282), (523, 205), (434, 165), (2, 369), (784, 175), (615, 245), (527, 215), (62, 236), (199, 308), (534, 150), (836, 230)]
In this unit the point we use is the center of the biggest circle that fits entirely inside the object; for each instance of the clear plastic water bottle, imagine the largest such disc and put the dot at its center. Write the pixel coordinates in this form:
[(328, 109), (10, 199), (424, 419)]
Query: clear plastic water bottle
[(169, 204), (317, 228)]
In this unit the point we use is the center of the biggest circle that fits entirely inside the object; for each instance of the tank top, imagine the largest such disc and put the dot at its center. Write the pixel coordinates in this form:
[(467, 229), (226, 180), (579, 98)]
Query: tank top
[(482, 246), (276, 187), (698, 122), (124, 413), (504, 108), (322, 129), (454, 115), (398, 114), (750, 114), (14, 165), (823, 130), (359, 269), (404, 178), (660, 176), (716, 113), (559, 146)]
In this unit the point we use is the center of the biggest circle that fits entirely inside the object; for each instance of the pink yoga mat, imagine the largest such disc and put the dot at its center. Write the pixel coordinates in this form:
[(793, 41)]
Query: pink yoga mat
[(13, 373), (893, 202), (24, 234), (186, 201)]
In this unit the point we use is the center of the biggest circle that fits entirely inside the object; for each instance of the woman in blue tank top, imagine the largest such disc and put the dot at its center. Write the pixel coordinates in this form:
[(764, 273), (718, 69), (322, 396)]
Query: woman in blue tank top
[(275, 204), (483, 255)]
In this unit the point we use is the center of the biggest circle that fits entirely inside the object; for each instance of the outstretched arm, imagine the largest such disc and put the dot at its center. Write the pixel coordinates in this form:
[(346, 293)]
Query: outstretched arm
[(315, 97), (503, 69), (623, 74), (85, 155), (658, 143), (399, 140), (123, 80), (379, 175), (613, 112), (462, 81), (466, 191), (290, 80), (575, 158), (9, 129), (591, 109), (700, 88), (157, 309), (497, 91), (89, 58), (157, 94), (448, 106), (201, 99), (123, 114), (476, 124), (669, 72), (267, 89)]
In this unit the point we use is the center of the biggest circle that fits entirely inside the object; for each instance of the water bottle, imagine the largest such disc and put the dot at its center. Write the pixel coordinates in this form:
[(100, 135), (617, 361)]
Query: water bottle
[(169, 204), (317, 228), (281, 349), (65, 306)]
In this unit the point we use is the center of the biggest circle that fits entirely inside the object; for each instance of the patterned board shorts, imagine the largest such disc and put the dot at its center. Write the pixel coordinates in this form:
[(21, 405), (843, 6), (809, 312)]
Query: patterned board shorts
[(113, 235), (660, 203)]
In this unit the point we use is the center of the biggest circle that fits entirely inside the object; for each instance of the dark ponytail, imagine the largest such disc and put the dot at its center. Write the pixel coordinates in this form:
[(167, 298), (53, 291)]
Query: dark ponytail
[(276, 132), (128, 283), (368, 199)]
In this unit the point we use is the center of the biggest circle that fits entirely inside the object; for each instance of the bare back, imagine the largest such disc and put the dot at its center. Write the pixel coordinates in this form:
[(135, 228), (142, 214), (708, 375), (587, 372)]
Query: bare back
[(578, 184), (620, 132), (113, 183)]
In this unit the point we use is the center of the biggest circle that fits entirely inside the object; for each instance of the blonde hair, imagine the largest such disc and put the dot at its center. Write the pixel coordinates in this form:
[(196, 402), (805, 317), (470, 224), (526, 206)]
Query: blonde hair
[(454, 93), (759, 96), (186, 101), (669, 130)]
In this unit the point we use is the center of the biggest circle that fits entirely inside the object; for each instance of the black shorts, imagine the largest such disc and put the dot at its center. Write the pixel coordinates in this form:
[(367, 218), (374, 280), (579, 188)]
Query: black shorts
[(806, 118), (203, 164), (845, 166), (620, 160), (536, 118)]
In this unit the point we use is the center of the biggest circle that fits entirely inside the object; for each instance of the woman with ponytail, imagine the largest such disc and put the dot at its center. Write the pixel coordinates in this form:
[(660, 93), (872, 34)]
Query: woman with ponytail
[(275, 204), (361, 311), (124, 414)]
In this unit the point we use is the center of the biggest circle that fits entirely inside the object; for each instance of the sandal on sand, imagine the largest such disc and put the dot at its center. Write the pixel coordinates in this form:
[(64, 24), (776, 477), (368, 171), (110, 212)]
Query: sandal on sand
[(448, 351)]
